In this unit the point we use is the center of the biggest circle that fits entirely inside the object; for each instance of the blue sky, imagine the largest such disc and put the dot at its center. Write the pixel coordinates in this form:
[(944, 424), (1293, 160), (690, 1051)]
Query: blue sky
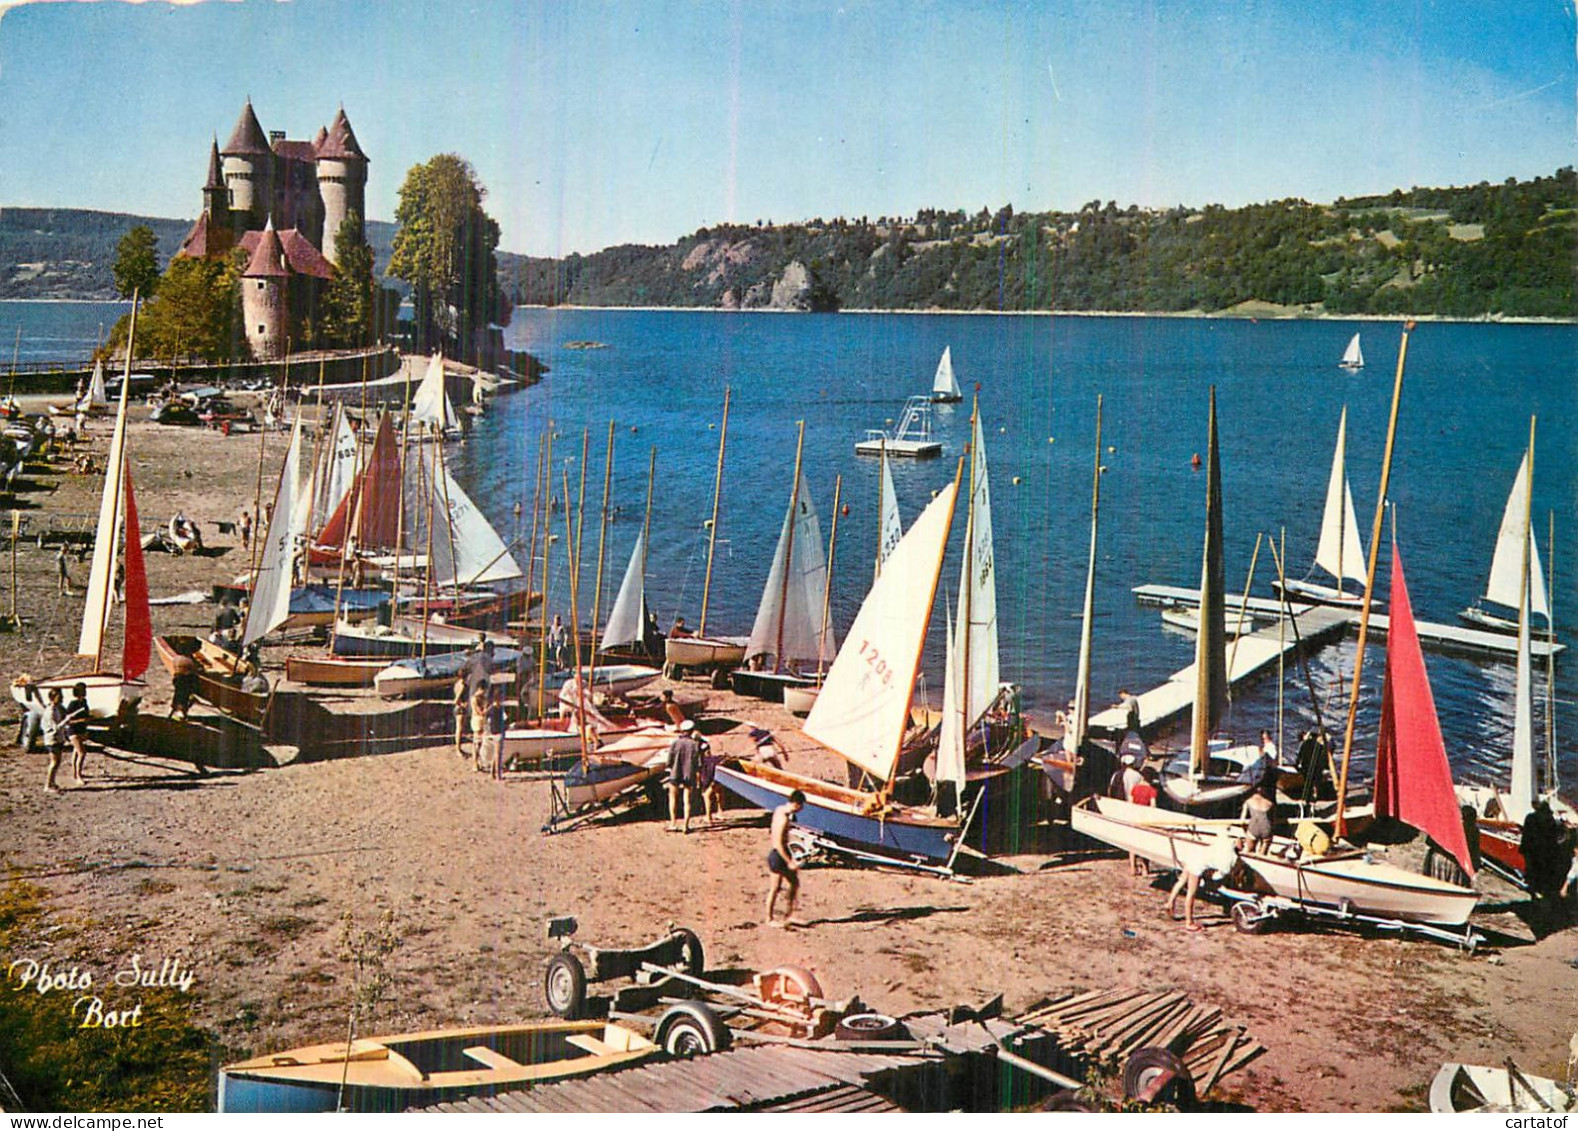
[(595, 124)]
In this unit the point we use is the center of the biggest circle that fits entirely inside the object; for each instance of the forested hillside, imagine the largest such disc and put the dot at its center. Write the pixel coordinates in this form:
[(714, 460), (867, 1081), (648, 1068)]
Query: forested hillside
[(69, 252), (1500, 250)]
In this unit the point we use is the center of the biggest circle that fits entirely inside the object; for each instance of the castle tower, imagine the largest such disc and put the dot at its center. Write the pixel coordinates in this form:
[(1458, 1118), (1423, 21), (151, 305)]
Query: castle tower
[(264, 302), (216, 197), (342, 180), (249, 172)]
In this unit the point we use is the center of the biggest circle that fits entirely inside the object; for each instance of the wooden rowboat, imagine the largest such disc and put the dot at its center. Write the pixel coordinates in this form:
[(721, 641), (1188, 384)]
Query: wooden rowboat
[(217, 681), (334, 671), (390, 1074)]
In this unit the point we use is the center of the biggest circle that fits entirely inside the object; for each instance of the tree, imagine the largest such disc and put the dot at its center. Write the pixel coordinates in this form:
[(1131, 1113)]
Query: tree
[(446, 249), (197, 312), (137, 262), (350, 302)]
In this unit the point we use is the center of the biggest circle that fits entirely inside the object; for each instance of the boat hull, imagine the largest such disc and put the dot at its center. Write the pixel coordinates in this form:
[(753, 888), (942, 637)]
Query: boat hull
[(836, 813), (800, 700), (333, 671), (407, 637), (704, 651), (390, 1074), (598, 780), (532, 744), (215, 667), (770, 686), (1322, 594), (1459, 1089), (108, 693)]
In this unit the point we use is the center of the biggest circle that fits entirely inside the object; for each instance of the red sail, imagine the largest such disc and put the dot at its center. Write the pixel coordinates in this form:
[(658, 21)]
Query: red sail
[(1413, 781), (380, 510), (138, 645)]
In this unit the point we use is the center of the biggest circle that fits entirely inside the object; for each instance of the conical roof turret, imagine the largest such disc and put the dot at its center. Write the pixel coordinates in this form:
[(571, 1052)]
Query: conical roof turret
[(268, 258), (248, 138), (341, 144), (216, 178)]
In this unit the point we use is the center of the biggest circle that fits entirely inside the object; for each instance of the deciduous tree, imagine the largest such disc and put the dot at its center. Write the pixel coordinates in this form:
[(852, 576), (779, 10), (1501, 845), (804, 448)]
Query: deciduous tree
[(137, 262)]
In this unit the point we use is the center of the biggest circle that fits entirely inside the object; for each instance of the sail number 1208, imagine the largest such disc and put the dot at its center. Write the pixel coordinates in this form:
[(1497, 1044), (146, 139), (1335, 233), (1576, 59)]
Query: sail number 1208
[(878, 665)]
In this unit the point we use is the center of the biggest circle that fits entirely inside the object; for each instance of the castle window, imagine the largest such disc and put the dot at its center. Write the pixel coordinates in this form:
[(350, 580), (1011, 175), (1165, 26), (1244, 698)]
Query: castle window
[(261, 329)]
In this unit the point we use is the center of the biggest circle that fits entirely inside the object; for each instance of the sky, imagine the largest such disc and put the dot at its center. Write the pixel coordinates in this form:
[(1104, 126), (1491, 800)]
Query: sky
[(594, 124)]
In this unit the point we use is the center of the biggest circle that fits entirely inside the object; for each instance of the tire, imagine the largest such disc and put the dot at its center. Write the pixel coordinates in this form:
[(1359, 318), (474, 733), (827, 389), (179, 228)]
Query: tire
[(1249, 919), (564, 986), (1145, 1066), (692, 959), (870, 1027), (691, 1029)]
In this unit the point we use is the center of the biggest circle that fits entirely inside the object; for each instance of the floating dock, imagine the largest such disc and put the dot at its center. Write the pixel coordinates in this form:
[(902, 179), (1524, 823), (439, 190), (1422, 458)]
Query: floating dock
[(1440, 637)]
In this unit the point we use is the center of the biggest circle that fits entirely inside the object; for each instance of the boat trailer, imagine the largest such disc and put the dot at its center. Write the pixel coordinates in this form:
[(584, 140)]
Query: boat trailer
[(808, 844), (1253, 912)]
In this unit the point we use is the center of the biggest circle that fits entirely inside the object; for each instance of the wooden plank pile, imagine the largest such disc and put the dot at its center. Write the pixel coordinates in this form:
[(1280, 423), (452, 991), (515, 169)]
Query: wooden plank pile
[(1114, 1023)]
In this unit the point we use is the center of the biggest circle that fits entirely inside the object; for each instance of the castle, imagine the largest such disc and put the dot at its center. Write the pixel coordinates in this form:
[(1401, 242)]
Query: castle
[(282, 202)]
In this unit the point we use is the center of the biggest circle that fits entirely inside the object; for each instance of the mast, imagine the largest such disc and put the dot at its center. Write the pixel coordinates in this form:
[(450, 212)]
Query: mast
[(427, 574), (1550, 656), (580, 511), (882, 465), (969, 573), (1210, 648), (547, 549), (717, 495), (646, 522), (575, 569), (1081, 720), (531, 547), (1525, 779), (827, 582), (1369, 584), (783, 591), (96, 610), (1342, 526), (602, 538)]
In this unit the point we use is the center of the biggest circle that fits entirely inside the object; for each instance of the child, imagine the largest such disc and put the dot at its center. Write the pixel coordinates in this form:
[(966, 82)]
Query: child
[(779, 861), (76, 728), (54, 735)]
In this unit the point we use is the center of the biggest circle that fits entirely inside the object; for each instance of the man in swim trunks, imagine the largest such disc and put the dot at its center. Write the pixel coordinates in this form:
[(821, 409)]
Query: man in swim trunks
[(780, 863)]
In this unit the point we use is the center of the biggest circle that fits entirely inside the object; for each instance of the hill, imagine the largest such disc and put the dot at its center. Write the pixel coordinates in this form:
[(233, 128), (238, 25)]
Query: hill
[(68, 253), (1483, 250)]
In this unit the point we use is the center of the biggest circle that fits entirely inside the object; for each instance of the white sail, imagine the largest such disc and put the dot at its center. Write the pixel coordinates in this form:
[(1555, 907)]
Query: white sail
[(1079, 720), (951, 739), (1525, 777), (106, 540), (430, 405), (978, 594), (1505, 586), (1340, 551), (340, 468), (270, 603), (1353, 356), (863, 708), (890, 527), (95, 397), (790, 610), (469, 551), (1517, 542), (627, 621), (945, 384)]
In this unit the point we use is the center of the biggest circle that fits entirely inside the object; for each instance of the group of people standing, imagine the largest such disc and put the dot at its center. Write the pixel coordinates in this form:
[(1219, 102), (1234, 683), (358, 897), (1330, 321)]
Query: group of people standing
[(57, 724)]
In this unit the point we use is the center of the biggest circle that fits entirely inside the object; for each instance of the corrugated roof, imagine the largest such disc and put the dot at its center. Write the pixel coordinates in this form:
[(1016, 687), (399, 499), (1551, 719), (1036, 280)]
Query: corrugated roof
[(755, 1078)]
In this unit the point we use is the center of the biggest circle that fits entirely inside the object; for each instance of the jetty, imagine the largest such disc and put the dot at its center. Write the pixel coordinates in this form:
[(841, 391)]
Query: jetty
[(1318, 625)]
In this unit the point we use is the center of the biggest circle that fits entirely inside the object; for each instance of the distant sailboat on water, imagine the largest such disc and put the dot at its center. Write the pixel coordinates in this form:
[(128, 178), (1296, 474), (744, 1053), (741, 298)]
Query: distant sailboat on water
[(945, 386), (1353, 356)]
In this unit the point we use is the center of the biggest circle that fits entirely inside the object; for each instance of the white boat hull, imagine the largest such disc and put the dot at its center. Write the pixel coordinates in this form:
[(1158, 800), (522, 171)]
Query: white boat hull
[(800, 700), (530, 744), (1321, 594), (1350, 880), (1459, 1089), (704, 651), (106, 691)]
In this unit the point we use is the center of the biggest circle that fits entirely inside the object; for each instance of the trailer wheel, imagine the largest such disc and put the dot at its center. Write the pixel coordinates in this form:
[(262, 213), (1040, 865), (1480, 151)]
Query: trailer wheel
[(792, 986), (691, 958), (1249, 919), (869, 1027), (1155, 1075), (691, 1029), (564, 986)]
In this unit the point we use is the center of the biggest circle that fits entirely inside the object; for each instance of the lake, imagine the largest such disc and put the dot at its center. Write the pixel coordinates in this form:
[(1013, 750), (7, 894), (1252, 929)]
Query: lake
[(660, 376)]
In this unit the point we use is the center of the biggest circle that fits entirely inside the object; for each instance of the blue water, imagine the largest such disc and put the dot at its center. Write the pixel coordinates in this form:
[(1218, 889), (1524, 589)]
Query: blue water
[(1468, 395), (67, 332)]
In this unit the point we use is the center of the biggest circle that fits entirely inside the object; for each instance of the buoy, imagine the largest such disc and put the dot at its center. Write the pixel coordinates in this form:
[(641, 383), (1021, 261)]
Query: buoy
[(632, 428), (1016, 481), (1051, 439), (1111, 448), (1194, 461), (1002, 428), (846, 510), (1103, 469), (706, 524)]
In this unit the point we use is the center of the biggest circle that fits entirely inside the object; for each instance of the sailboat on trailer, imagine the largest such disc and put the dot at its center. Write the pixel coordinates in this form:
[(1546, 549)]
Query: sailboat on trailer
[(109, 693), (1340, 551), (1206, 779)]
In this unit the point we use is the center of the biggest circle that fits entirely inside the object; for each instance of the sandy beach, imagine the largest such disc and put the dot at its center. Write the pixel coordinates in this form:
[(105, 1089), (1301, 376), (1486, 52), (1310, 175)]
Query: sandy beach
[(247, 877)]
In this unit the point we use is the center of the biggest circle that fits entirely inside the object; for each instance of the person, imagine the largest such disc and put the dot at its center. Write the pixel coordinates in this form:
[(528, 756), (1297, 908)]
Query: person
[(478, 700), (76, 726), (1543, 845), (246, 530), (781, 863), (523, 678), (31, 726), (679, 629), (54, 735), (1217, 859), (1268, 748), (684, 757), (1568, 884), (1131, 710), (461, 703), (768, 752), (558, 642), (1259, 808), (63, 575), (495, 729), (1123, 786), (675, 713), (183, 679), (479, 665), (707, 780), (227, 617)]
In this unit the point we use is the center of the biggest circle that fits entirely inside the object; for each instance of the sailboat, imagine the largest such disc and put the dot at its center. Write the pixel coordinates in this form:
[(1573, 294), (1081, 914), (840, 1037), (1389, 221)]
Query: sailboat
[(1515, 580), (703, 652), (431, 407), (1340, 551), (1413, 783), (1508, 586), (1353, 356), (890, 524), (787, 630), (1205, 779), (944, 386), (111, 693), (863, 711), (94, 402)]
